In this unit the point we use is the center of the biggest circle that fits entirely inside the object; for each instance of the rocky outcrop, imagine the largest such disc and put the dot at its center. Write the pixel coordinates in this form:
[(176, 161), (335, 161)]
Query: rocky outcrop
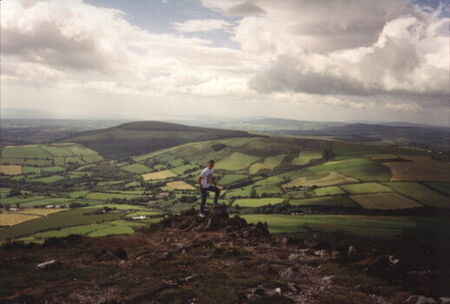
[(216, 219)]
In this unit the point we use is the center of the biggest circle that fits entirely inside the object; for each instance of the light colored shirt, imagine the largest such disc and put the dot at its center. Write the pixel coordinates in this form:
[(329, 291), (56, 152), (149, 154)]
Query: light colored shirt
[(207, 177)]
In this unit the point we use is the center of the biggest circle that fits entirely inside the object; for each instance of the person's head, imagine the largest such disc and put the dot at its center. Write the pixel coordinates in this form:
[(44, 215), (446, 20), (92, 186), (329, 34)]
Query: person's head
[(211, 164)]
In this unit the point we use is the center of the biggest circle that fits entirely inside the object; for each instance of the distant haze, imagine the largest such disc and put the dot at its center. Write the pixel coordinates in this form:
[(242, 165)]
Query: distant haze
[(323, 60)]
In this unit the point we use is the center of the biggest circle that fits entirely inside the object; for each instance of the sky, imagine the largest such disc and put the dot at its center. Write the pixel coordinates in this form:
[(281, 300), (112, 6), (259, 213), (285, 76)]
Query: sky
[(325, 60)]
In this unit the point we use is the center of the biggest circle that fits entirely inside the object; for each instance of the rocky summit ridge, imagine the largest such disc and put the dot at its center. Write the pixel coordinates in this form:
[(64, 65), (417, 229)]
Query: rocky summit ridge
[(189, 259)]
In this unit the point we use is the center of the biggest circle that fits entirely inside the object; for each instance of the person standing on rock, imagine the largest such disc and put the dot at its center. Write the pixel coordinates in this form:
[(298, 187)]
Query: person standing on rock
[(207, 182)]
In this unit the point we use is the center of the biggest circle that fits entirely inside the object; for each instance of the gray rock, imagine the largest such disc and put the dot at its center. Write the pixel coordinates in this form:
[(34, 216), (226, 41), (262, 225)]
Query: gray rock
[(292, 273), (444, 300), (307, 251), (322, 253), (294, 257), (420, 300), (328, 279)]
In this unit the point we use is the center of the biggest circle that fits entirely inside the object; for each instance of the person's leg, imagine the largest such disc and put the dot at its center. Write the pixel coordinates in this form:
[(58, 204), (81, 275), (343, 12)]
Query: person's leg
[(203, 200), (217, 193)]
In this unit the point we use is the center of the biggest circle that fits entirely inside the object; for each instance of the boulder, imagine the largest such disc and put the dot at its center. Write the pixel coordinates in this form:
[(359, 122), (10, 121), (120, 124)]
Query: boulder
[(316, 242), (420, 300), (292, 273)]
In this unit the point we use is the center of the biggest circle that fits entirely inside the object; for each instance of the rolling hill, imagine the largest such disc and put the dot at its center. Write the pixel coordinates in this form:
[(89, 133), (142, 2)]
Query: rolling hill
[(146, 136), (425, 135)]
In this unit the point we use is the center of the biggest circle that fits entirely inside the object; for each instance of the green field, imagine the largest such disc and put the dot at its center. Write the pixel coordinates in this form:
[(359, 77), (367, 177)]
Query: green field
[(78, 194), (325, 191), (323, 179), (136, 168), (31, 170), (305, 157), (366, 188), (75, 217), (422, 194), (243, 191), (387, 201), (4, 192), (178, 185), (46, 201), (107, 195), (304, 172), (257, 202), (237, 161), (20, 199), (440, 186), (331, 201), (180, 170), (373, 172), (231, 178), (48, 155), (365, 226), (269, 163), (48, 179), (27, 151), (268, 189)]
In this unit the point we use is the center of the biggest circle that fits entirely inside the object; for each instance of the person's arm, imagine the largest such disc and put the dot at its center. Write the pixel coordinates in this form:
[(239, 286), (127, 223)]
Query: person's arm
[(200, 177), (200, 182)]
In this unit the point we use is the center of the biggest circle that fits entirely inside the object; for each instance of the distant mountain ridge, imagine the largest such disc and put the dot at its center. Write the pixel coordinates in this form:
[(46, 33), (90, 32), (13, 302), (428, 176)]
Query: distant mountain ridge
[(146, 136)]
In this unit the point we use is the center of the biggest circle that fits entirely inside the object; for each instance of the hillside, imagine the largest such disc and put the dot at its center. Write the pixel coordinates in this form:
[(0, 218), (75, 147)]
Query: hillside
[(187, 259), (425, 135), (146, 136), (387, 132), (265, 124)]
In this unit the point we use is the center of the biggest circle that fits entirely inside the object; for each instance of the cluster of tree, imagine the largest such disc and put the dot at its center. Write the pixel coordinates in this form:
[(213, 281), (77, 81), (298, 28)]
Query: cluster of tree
[(286, 208), (186, 199), (240, 184)]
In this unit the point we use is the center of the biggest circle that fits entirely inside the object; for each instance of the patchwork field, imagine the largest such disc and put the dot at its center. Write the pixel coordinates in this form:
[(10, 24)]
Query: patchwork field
[(13, 218), (269, 163), (332, 201), (328, 179), (48, 155), (10, 169), (385, 201), (311, 175), (440, 186), (411, 171), (257, 202), (10, 218), (305, 157), (366, 188), (421, 193), (332, 190), (75, 217), (136, 168), (237, 161), (365, 226), (105, 196), (158, 175), (231, 178), (178, 185)]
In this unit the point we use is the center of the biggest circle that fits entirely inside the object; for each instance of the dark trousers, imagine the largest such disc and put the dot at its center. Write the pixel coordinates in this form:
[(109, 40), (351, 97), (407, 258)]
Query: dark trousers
[(205, 195)]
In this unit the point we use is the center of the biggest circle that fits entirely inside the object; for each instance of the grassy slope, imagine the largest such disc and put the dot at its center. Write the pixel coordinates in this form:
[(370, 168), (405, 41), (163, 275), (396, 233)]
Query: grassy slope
[(140, 137)]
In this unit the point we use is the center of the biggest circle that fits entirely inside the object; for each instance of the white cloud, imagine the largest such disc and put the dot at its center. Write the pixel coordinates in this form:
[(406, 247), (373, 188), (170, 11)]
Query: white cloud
[(202, 25), (317, 54), (72, 44), (400, 63)]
